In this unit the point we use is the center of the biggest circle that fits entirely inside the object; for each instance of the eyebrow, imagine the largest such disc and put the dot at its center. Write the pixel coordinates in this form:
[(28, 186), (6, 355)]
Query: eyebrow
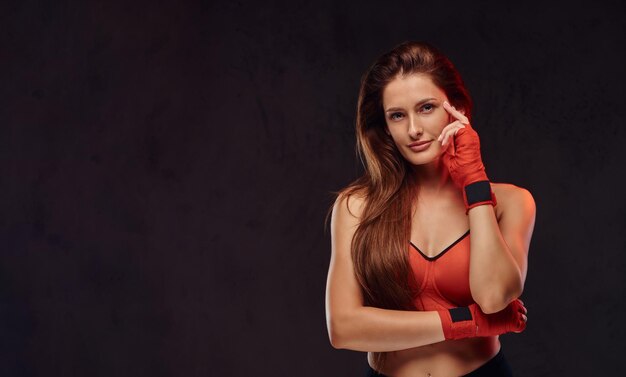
[(416, 105)]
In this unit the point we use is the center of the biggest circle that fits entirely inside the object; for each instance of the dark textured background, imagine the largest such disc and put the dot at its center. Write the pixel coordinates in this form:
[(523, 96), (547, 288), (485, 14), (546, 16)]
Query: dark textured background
[(166, 168)]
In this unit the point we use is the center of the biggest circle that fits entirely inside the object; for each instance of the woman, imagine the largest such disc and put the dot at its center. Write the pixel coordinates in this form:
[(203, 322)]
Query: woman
[(402, 282)]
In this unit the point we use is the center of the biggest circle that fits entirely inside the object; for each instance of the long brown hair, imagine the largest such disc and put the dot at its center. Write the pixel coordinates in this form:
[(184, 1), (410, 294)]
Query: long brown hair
[(379, 245)]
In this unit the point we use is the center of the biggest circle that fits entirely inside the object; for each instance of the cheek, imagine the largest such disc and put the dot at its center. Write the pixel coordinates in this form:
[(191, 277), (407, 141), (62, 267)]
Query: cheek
[(437, 122), (394, 134)]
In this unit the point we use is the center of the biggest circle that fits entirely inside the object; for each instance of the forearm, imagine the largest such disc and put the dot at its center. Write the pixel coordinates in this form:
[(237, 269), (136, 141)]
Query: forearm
[(495, 279), (369, 329)]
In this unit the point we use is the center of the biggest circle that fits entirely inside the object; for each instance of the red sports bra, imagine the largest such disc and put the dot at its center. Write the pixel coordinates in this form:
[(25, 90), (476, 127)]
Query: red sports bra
[(443, 280)]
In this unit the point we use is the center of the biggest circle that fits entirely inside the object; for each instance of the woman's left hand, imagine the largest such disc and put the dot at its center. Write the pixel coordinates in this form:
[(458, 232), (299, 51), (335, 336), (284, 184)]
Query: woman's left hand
[(462, 150)]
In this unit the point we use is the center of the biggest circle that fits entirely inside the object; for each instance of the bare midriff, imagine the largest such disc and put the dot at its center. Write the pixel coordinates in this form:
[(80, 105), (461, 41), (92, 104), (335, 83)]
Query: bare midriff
[(450, 358)]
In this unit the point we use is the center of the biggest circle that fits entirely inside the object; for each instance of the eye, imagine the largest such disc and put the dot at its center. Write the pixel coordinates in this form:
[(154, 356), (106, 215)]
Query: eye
[(428, 107), (393, 115)]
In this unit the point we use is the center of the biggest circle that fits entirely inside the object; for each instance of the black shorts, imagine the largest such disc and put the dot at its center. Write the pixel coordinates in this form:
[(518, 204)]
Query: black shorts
[(497, 366)]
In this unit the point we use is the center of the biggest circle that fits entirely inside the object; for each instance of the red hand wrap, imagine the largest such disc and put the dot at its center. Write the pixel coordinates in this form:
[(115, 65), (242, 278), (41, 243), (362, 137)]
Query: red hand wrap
[(470, 321), (466, 168)]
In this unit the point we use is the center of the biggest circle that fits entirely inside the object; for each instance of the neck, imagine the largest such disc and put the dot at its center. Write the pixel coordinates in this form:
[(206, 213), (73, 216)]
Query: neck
[(433, 177)]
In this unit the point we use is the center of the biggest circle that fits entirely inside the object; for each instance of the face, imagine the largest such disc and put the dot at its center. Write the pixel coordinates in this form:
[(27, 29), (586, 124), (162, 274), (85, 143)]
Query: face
[(414, 112)]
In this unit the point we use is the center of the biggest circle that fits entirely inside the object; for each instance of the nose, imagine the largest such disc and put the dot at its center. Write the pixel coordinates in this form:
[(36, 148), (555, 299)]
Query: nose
[(414, 128)]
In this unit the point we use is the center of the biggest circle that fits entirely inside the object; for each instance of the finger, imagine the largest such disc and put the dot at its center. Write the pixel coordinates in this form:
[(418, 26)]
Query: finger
[(522, 322), (447, 128), (445, 146), (450, 133), (455, 113), (448, 156)]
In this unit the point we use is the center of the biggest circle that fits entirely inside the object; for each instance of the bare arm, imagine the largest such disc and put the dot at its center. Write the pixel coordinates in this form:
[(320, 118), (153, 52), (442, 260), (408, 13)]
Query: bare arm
[(499, 251), (351, 325)]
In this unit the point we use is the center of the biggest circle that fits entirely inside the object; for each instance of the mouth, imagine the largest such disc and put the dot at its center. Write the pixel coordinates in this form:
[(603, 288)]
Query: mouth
[(419, 143), (419, 146)]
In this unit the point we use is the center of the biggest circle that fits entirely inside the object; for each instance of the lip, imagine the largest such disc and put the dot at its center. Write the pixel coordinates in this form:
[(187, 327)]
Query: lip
[(419, 146)]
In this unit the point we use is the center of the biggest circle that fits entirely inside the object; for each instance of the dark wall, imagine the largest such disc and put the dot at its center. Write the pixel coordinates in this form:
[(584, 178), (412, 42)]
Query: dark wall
[(166, 168)]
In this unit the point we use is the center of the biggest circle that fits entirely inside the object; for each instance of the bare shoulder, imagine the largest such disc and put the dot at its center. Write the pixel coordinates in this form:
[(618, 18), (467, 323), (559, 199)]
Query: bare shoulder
[(349, 206), (512, 198)]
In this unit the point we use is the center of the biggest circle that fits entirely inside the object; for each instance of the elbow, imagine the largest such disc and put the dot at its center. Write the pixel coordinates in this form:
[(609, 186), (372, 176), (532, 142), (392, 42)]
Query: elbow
[(336, 342), (337, 332), (492, 307), (499, 302), (335, 338)]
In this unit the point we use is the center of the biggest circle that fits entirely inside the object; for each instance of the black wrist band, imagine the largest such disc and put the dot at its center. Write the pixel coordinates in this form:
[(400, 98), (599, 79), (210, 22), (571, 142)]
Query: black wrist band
[(478, 192), (460, 314)]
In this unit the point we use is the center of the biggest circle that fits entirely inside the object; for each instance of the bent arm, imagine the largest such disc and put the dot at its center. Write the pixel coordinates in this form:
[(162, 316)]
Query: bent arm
[(499, 250), (351, 325), (369, 329)]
